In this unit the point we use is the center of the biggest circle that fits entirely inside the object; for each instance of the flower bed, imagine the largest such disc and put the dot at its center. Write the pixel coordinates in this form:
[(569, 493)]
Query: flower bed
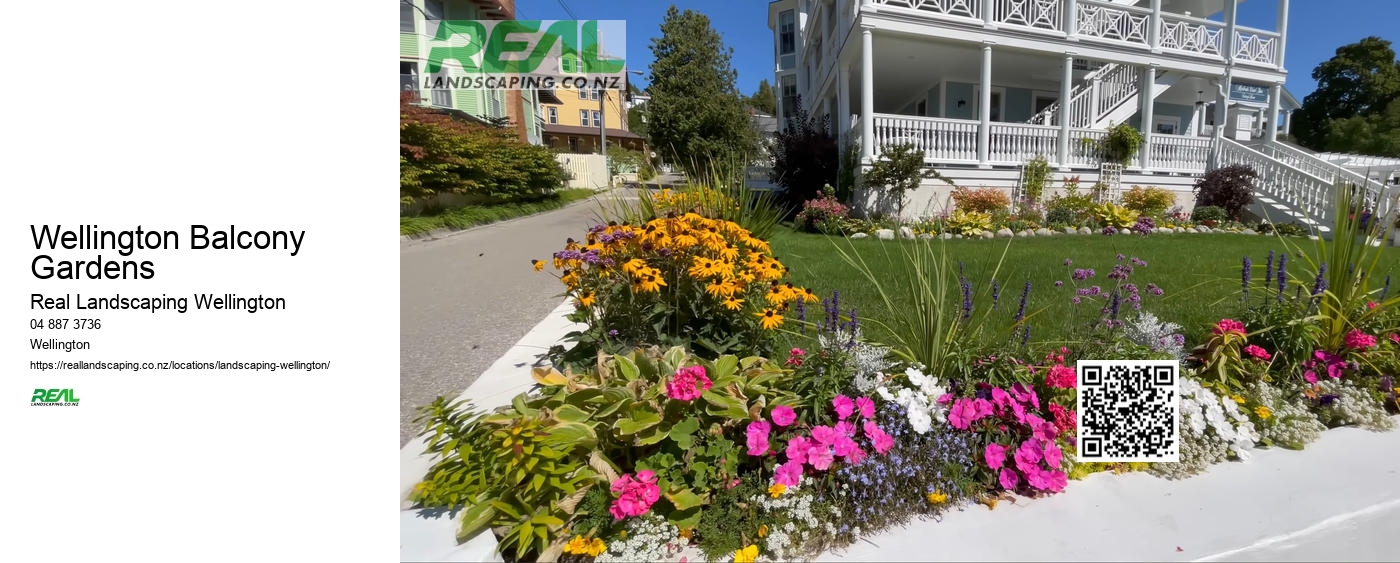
[(677, 423)]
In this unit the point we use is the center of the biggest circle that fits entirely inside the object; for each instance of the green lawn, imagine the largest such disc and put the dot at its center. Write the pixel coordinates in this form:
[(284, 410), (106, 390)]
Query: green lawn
[(1199, 274), (475, 215)]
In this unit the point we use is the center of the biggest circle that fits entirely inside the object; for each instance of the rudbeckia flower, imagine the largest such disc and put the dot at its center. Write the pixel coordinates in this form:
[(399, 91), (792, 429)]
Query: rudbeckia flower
[(769, 318)]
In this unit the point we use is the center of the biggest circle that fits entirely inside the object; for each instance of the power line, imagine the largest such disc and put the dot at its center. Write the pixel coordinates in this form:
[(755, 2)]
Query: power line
[(565, 5)]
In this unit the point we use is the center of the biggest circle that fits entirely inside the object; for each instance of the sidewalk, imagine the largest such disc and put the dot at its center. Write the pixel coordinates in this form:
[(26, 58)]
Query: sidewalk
[(1337, 500)]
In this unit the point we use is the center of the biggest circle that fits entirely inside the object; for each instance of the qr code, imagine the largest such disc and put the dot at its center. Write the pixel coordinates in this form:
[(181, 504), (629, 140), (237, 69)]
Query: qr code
[(1129, 411)]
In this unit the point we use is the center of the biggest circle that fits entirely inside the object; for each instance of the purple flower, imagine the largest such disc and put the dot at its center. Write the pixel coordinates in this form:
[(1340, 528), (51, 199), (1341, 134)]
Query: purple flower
[(1059, 283), (1076, 300), (1154, 290), (966, 295), (1269, 271), (996, 293), (1385, 289), (1111, 231), (1082, 274), (802, 316), (1282, 277), (613, 333), (1113, 309), (1068, 261), (1320, 284), (1138, 262), (1025, 335), (1244, 275)]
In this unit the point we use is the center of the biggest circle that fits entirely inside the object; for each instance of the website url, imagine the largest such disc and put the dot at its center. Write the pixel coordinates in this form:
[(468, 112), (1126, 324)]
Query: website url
[(296, 365)]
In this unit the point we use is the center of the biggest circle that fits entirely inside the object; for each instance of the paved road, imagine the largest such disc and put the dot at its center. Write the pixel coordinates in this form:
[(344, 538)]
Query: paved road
[(464, 299)]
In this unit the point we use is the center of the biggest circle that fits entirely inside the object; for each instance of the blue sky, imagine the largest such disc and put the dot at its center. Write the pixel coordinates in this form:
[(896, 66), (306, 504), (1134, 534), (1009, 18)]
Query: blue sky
[(1315, 29)]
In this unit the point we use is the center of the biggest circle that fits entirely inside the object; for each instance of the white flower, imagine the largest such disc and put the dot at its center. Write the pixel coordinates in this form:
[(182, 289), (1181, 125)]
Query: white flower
[(919, 420), (885, 393)]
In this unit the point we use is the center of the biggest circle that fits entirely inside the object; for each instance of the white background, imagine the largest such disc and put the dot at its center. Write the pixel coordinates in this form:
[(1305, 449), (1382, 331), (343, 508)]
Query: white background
[(267, 115)]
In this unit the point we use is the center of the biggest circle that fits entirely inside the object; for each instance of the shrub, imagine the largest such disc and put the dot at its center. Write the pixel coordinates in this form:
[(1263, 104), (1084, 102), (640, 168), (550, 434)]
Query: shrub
[(680, 278), (981, 200), (1116, 216), (1230, 188), (1062, 215), (1149, 201), (822, 214), (1072, 200), (898, 171), (1208, 213), (441, 154), (805, 158), (969, 223), (622, 160)]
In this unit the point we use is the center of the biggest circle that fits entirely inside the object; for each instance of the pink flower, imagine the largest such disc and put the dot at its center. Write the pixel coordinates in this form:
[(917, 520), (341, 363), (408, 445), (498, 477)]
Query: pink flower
[(757, 434), (1310, 376), (688, 384), (866, 407), (824, 435), (878, 438), (1060, 377), (1036, 478), (1372, 304), (1055, 480), (844, 406), (1227, 326), (845, 428), (1052, 454), (795, 357), (635, 494), (1000, 399), (1028, 455), (844, 446), (820, 457), (783, 415), (1064, 418), (789, 474), (1025, 394), (982, 409), (1009, 479), (1360, 340), (856, 456), (1018, 411), (995, 454), (945, 398), (1043, 429), (1257, 352), (1395, 337), (961, 415), (797, 450)]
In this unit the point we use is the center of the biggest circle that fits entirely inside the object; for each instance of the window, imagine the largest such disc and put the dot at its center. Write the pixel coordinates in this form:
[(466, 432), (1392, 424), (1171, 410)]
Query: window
[(568, 63), (789, 95), (554, 115), (593, 93), (441, 95), (597, 119), (405, 18), (573, 143), (583, 117), (582, 93), (787, 33), (1166, 124), (434, 10), (408, 76)]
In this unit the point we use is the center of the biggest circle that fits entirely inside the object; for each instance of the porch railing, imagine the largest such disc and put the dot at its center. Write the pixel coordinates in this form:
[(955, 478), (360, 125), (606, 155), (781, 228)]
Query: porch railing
[(1177, 153), (1015, 143), (1323, 169), (1084, 147), (1103, 20)]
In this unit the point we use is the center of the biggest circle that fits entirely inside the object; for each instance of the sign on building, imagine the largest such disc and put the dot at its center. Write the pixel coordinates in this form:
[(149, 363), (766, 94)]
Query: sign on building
[(1249, 93)]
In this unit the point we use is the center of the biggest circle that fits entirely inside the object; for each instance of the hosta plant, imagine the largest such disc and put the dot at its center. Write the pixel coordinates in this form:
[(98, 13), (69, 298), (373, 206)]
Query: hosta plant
[(1116, 216)]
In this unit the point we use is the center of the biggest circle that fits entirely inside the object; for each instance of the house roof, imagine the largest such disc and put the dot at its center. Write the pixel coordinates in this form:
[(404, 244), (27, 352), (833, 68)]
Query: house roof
[(547, 96), (559, 129), (1289, 103)]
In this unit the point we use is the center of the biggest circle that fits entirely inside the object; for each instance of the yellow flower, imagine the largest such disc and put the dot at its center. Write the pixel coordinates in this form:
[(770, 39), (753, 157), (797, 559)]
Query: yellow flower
[(1237, 399), (686, 533), (633, 265), (777, 490), (585, 298), (685, 240), (1263, 412), (570, 279), (596, 548), (733, 304), (729, 252), (937, 497), (578, 546), (747, 555), (776, 295), (808, 296), (763, 531), (539, 265), (705, 267), (719, 289), (649, 280), (769, 318)]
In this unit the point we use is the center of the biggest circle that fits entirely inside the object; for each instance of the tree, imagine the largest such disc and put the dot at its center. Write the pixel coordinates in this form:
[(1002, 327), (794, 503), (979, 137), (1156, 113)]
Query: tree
[(696, 116), (637, 121), (805, 158), (1349, 109), (765, 99)]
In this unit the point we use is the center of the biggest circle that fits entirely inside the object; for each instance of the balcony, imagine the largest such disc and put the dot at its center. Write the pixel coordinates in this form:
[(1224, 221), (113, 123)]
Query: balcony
[(1103, 22)]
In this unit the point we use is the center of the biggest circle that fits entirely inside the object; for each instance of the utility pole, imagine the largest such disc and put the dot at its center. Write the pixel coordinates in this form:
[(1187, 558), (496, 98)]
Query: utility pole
[(603, 120)]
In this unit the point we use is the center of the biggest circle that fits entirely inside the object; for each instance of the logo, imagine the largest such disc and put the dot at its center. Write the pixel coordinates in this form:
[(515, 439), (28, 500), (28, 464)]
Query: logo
[(526, 54), (54, 398)]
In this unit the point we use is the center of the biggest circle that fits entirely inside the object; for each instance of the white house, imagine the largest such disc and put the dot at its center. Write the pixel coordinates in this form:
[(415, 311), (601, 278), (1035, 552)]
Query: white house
[(982, 86)]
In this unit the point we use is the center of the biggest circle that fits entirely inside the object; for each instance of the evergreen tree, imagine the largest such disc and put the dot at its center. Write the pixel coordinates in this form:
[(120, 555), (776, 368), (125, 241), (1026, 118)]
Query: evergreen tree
[(696, 117), (765, 99)]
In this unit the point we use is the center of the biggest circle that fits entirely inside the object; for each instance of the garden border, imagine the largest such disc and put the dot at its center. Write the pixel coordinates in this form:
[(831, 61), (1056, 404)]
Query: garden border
[(1213, 512)]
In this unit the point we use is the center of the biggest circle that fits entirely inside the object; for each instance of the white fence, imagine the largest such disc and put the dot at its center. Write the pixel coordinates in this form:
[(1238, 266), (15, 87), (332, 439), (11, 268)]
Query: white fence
[(585, 170)]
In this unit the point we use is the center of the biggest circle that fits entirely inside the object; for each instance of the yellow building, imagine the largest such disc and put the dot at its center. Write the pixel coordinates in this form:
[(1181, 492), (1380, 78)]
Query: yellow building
[(574, 124)]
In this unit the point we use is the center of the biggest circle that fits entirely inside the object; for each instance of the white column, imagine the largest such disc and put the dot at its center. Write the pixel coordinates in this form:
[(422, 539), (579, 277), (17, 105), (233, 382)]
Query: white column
[(782, 118), (1154, 33), (1072, 19), (1282, 30), (1288, 122), (989, 13), (843, 103), (1231, 15), (984, 132), (867, 95), (1145, 97), (1274, 93), (1066, 77)]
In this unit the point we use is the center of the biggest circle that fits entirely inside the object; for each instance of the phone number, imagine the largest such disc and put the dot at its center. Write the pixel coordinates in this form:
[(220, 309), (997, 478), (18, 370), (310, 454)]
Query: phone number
[(65, 324)]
